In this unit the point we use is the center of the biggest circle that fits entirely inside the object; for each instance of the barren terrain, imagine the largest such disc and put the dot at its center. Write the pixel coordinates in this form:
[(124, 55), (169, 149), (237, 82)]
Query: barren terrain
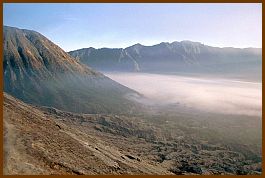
[(42, 140)]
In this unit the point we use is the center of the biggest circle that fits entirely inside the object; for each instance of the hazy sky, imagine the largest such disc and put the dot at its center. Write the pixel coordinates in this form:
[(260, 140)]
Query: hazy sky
[(73, 26)]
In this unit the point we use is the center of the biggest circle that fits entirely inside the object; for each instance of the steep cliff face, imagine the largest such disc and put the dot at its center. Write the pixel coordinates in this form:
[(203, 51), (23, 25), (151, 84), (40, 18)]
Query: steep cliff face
[(39, 72)]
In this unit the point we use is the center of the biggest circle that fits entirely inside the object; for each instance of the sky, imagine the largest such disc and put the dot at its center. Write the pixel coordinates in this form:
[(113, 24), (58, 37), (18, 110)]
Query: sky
[(74, 26)]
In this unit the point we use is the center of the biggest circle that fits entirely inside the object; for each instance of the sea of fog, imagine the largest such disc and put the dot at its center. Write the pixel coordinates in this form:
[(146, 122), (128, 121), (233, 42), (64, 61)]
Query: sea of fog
[(211, 95)]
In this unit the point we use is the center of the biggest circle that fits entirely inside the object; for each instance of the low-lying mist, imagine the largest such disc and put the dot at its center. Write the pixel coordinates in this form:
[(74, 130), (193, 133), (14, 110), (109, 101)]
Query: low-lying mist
[(218, 95)]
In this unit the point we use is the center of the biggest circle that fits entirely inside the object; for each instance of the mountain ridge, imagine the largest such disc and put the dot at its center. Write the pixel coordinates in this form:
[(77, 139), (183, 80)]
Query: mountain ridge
[(39, 72), (184, 56), (173, 42)]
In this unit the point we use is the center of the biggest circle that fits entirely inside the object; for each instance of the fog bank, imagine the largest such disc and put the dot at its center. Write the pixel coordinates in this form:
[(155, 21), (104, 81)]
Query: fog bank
[(210, 95)]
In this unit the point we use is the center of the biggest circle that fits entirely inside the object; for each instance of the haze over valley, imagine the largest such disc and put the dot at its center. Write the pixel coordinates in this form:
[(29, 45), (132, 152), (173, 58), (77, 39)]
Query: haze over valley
[(215, 95), (164, 108)]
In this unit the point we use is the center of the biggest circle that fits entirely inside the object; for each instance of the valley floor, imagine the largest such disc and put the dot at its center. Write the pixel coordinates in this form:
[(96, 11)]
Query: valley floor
[(41, 140)]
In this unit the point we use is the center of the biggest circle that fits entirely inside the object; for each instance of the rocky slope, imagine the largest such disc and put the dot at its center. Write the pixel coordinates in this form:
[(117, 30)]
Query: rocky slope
[(38, 142), (39, 72), (43, 140), (176, 57)]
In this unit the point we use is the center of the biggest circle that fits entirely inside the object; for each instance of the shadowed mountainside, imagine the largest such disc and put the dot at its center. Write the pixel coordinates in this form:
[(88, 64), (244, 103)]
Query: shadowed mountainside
[(39, 72)]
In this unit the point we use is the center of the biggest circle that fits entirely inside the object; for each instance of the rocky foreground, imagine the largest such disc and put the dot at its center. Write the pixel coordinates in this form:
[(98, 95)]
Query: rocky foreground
[(49, 141)]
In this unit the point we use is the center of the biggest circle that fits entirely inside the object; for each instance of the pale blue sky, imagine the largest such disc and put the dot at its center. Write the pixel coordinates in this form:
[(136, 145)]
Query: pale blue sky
[(73, 26)]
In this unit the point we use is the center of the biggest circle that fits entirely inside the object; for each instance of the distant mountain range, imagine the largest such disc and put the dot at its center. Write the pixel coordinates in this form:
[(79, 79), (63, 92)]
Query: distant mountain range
[(47, 91), (39, 72), (177, 57)]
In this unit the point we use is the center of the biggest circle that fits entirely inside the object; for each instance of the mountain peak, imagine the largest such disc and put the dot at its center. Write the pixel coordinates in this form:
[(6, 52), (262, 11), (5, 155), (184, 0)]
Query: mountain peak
[(137, 45), (39, 72), (31, 51)]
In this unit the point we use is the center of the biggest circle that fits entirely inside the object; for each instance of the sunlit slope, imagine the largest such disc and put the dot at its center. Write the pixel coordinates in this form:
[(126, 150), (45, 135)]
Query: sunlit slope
[(38, 71)]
